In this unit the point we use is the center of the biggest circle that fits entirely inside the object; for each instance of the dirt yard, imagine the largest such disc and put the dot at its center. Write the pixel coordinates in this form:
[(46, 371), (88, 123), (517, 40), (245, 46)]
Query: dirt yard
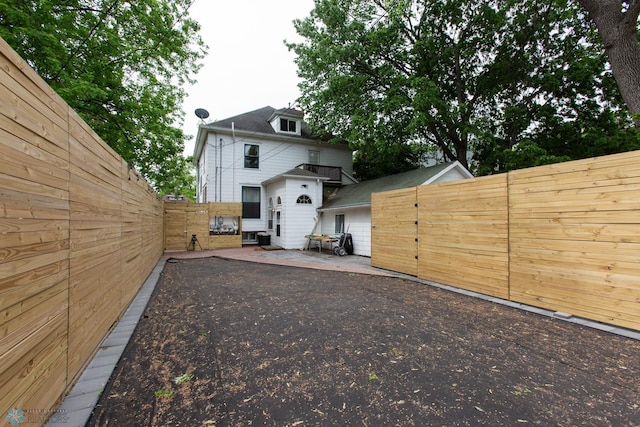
[(234, 343)]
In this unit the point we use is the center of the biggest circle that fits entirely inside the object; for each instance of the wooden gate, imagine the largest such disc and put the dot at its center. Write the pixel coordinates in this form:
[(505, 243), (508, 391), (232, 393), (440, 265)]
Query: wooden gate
[(175, 228), (394, 230)]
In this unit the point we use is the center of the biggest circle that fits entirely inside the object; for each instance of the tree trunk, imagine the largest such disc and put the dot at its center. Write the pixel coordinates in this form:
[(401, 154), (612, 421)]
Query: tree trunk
[(619, 32)]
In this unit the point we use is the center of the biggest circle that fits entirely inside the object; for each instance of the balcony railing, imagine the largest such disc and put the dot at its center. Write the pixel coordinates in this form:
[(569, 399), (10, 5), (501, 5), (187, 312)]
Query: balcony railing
[(334, 173)]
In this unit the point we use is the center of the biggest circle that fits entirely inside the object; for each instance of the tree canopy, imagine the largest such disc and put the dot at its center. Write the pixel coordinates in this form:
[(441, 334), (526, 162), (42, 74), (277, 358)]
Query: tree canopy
[(121, 66), (495, 85)]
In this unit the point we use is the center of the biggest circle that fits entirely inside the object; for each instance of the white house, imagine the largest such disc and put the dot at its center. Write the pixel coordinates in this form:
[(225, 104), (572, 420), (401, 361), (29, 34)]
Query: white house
[(269, 160), (348, 209)]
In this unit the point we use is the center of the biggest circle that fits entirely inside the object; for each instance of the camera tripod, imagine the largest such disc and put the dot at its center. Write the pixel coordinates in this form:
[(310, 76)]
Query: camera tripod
[(192, 244)]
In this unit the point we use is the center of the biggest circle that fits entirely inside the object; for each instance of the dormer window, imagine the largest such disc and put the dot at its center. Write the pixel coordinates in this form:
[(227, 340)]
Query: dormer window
[(287, 120), (287, 125)]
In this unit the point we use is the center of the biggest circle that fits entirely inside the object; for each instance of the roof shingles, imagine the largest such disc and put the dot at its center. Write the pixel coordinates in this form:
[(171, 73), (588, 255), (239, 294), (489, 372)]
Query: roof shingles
[(258, 121), (360, 194)]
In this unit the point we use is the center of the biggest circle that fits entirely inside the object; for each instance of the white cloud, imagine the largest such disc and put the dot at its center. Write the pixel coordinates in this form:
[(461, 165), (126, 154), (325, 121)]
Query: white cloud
[(248, 65)]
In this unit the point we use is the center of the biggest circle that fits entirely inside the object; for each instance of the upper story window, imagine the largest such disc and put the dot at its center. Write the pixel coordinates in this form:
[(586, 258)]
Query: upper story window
[(287, 125), (251, 156), (287, 120), (304, 200), (314, 157)]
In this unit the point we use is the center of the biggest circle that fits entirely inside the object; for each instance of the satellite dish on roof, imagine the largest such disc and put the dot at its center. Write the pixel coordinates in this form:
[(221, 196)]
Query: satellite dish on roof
[(201, 113)]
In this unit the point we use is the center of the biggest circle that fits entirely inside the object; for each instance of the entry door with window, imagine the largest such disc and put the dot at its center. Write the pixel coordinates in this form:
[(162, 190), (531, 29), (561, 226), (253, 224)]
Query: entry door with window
[(278, 223)]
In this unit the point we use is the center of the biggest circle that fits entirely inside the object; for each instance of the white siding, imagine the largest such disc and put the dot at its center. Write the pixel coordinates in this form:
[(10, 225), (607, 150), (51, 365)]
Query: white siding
[(275, 158), (357, 222), (451, 175), (296, 220), (275, 190), (299, 219), (224, 174)]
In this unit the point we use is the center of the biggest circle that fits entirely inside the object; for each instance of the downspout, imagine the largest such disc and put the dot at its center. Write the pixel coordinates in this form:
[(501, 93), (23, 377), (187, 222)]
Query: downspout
[(214, 160), (233, 135), (220, 173)]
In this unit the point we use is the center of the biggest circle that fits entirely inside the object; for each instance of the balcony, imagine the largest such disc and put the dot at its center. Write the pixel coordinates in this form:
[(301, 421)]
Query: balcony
[(332, 172)]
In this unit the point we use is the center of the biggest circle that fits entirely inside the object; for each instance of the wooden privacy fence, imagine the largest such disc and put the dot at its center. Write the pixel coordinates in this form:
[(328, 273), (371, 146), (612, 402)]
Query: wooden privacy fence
[(216, 225), (394, 231), (79, 231), (564, 237)]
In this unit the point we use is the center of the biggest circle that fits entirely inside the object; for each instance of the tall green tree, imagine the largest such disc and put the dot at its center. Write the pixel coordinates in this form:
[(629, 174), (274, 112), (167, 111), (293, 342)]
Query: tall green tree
[(121, 65), (495, 85), (617, 24)]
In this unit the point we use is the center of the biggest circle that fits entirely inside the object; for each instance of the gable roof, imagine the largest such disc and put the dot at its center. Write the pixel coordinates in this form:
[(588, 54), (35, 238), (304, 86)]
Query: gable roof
[(360, 194), (287, 112), (258, 121)]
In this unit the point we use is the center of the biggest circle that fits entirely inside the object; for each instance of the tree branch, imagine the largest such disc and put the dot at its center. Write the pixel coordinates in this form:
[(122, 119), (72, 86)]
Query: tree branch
[(633, 12), (440, 142)]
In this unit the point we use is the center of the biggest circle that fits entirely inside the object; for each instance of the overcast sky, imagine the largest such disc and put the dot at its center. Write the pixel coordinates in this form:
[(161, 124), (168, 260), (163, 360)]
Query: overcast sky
[(248, 66)]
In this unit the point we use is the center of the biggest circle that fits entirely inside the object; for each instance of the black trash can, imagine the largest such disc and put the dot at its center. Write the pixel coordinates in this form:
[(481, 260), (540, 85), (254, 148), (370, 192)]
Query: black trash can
[(264, 239), (346, 242)]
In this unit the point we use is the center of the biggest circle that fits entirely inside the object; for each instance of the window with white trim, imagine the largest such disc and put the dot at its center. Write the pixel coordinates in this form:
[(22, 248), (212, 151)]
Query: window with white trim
[(251, 202), (251, 156), (287, 125), (314, 157), (339, 224), (304, 200)]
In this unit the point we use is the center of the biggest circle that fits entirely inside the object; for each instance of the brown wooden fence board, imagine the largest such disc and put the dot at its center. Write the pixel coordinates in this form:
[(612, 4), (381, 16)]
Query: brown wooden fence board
[(590, 289), (34, 367), (96, 204), (14, 358), (95, 199), (469, 250), (575, 238), (92, 306), (39, 395), (24, 231), (40, 368), (18, 253), (68, 207), (393, 219), (30, 117), (16, 204), (606, 217), (612, 167), (17, 288), (571, 300), (24, 167), (18, 71), (224, 242), (17, 267), (550, 248), (21, 320), (93, 155), (39, 147), (14, 143), (582, 231), (564, 237), (35, 192)]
